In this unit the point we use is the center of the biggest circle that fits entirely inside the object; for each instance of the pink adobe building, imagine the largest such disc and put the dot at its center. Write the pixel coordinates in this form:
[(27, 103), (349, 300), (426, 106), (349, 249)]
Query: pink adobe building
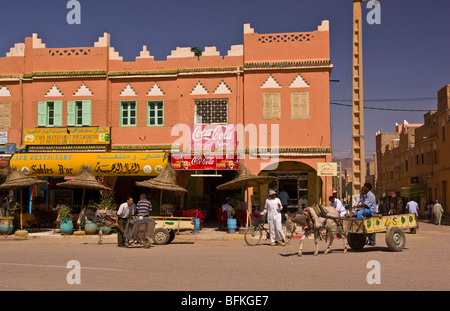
[(275, 85)]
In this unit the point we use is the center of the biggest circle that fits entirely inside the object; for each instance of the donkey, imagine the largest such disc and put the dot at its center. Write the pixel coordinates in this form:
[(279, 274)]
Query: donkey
[(312, 223)]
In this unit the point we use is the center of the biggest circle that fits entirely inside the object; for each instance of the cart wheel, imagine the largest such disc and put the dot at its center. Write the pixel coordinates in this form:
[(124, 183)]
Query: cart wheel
[(356, 241), (147, 242), (161, 236), (172, 236), (395, 239)]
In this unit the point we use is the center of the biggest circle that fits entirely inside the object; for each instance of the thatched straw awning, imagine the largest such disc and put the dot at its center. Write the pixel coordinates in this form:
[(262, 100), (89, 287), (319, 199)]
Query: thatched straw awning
[(166, 181), (84, 180), (16, 180), (245, 180)]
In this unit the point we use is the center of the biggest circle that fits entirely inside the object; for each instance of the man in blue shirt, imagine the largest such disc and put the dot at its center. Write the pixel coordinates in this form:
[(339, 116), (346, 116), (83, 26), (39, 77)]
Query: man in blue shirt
[(367, 206)]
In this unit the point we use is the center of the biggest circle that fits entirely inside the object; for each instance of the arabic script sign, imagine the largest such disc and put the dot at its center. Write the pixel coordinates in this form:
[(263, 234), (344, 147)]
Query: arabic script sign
[(67, 136), (326, 169), (102, 164)]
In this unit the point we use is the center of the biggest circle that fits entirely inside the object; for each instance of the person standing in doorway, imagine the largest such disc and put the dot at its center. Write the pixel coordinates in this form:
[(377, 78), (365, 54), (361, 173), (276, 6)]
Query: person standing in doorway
[(284, 198), (438, 211), (126, 210), (273, 210)]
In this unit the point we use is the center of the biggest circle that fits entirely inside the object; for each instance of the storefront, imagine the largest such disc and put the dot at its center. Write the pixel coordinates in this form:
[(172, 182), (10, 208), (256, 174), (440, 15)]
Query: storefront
[(298, 179), (46, 158), (210, 161)]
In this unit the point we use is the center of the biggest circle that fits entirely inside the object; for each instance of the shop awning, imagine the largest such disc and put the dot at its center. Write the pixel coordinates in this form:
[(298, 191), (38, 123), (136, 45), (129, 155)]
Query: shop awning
[(102, 164), (404, 191)]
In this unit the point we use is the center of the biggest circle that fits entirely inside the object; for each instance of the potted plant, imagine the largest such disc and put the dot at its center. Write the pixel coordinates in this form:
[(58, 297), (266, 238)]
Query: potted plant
[(106, 203), (6, 222), (65, 216)]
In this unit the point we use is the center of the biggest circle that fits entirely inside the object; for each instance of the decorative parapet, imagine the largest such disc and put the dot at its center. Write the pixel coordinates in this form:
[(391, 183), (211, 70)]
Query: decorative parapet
[(103, 41), (211, 51), (236, 50), (181, 52), (173, 73), (287, 37), (9, 77), (65, 148), (324, 26), (37, 42), (288, 152), (17, 50), (288, 65), (64, 74), (143, 148), (144, 53)]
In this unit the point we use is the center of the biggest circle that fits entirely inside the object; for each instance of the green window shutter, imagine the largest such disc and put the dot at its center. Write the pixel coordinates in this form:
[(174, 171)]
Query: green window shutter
[(70, 113), (86, 113), (42, 114), (58, 113)]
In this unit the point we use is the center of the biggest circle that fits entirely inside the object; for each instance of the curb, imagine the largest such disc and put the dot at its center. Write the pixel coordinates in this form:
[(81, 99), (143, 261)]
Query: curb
[(180, 237)]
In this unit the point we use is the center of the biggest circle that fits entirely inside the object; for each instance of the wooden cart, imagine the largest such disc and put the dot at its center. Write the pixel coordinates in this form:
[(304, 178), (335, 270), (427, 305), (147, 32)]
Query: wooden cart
[(359, 229), (166, 228)]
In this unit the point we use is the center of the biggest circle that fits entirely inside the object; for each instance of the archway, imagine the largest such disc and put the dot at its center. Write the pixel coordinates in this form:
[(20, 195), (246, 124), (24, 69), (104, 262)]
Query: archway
[(298, 179)]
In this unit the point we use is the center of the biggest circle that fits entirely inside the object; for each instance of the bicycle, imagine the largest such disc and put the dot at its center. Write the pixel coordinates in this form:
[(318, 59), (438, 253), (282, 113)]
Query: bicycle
[(254, 233)]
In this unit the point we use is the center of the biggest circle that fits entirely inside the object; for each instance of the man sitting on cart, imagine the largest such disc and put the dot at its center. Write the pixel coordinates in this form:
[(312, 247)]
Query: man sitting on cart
[(367, 205)]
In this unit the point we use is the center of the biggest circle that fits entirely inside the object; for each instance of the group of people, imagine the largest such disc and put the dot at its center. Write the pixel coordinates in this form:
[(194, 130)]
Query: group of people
[(127, 210), (228, 211)]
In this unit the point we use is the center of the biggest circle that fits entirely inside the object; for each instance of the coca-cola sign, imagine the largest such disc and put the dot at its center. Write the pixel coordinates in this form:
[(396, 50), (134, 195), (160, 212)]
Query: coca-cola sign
[(204, 162), (214, 137)]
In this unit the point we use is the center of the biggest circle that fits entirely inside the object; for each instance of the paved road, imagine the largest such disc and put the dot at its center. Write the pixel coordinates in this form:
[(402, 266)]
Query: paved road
[(41, 264)]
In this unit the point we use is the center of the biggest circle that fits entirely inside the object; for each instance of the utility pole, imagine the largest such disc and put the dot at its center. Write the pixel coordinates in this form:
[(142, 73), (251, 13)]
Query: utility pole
[(357, 101), (340, 180)]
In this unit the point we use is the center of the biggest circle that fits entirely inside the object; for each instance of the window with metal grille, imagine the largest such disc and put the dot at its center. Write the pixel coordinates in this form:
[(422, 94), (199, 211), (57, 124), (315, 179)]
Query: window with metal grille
[(211, 111)]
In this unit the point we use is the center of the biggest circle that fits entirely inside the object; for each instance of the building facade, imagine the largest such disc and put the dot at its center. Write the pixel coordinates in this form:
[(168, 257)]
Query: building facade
[(413, 162), (65, 107)]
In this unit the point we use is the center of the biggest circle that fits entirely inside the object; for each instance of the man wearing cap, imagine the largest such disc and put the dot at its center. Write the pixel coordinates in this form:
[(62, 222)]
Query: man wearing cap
[(273, 209)]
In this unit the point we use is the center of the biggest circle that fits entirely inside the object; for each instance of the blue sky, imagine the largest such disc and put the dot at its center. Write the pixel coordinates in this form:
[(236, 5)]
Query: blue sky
[(406, 56)]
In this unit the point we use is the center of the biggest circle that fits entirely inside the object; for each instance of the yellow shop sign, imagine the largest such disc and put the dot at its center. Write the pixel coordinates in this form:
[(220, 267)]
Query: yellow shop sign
[(102, 164), (67, 136)]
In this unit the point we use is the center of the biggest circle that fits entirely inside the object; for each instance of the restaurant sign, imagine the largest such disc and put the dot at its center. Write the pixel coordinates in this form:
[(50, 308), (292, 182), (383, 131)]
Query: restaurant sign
[(102, 164), (67, 136), (205, 162), (326, 169)]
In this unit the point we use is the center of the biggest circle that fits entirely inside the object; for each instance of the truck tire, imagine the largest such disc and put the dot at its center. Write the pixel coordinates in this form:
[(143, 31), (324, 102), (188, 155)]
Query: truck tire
[(395, 239), (356, 241), (161, 236)]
